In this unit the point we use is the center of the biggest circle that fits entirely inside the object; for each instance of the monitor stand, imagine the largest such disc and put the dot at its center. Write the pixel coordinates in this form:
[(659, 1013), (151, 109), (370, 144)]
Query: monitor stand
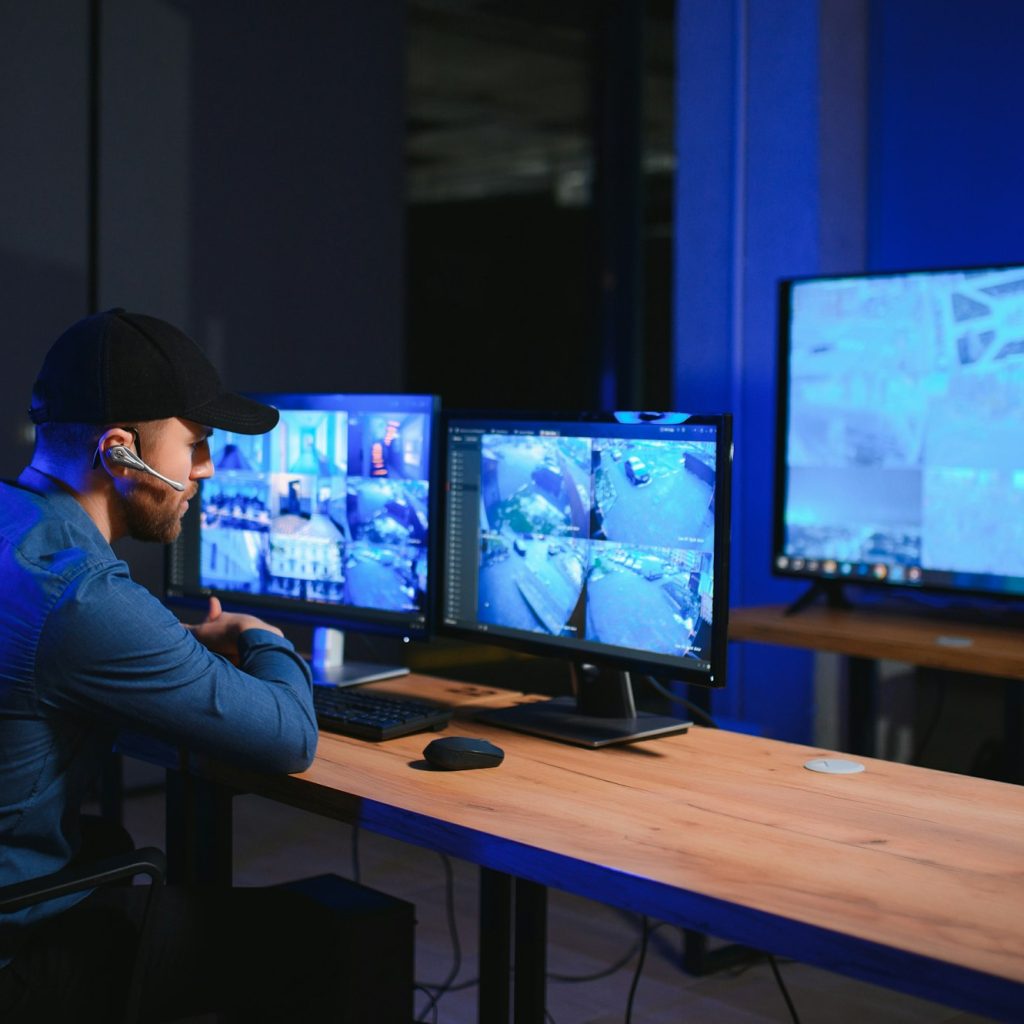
[(603, 712), (831, 590), (330, 668)]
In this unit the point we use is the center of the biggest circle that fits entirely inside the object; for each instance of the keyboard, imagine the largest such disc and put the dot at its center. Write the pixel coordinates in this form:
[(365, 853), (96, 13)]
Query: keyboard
[(374, 716)]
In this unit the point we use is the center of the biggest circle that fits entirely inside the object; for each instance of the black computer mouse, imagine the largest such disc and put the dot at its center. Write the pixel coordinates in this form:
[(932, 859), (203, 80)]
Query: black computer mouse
[(456, 752)]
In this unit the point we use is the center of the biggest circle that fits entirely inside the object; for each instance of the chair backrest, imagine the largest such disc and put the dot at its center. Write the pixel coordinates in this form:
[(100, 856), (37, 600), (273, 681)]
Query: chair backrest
[(77, 878)]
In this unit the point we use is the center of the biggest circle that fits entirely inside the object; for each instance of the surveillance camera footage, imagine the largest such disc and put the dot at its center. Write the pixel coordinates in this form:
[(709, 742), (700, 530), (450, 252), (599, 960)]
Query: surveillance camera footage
[(603, 539), (329, 507), (906, 428)]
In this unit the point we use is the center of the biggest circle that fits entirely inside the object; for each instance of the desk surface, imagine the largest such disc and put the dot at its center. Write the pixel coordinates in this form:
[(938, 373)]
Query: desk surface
[(883, 633), (899, 875)]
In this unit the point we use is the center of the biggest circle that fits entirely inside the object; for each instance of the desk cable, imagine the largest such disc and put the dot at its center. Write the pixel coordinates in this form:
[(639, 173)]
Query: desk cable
[(433, 990), (694, 709), (436, 990), (794, 1016), (645, 935), (647, 931)]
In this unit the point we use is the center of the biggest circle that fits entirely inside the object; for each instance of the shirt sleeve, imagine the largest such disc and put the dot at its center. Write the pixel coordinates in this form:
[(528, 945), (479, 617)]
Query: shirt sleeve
[(111, 652)]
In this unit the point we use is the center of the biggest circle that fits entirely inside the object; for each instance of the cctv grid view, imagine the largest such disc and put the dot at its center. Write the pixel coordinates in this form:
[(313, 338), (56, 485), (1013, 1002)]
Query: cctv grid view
[(593, 540), (905, 447), (330, 507)]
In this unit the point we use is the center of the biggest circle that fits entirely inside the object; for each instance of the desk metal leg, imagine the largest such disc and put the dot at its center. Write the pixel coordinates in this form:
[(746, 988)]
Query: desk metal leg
[(531, 909), (1013, 730), (199, 820), (861, 705), (495, 946), (511, 906)]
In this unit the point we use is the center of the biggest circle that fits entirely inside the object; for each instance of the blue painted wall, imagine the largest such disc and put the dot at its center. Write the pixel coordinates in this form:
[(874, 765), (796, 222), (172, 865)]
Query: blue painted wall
[(946, 146)]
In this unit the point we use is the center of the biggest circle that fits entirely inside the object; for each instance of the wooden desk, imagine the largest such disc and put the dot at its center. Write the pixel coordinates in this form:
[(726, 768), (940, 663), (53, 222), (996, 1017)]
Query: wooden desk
[(975, 648), (901, 876), (868, 634)]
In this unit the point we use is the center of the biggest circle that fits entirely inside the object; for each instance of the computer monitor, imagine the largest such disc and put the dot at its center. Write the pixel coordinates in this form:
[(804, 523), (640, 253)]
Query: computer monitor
[(602, 539), (326, 520), (900, 436)]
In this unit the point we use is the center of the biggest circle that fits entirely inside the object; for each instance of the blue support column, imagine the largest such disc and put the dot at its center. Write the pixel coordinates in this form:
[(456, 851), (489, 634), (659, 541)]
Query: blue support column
[(754, 149)]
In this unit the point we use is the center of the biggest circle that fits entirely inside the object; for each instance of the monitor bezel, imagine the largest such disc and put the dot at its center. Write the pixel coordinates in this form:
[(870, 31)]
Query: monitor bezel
[(347, 618), (543, 646), (835, 583)]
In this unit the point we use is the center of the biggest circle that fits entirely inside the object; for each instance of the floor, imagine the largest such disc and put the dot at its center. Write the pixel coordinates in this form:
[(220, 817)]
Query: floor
[(274, 843)]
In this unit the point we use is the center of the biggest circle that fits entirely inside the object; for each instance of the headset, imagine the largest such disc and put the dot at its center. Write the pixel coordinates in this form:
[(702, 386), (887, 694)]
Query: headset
[(119, 455)]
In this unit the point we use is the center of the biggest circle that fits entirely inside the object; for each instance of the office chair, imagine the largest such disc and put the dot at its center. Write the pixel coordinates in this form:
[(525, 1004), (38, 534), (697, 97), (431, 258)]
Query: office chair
[(145, 861)]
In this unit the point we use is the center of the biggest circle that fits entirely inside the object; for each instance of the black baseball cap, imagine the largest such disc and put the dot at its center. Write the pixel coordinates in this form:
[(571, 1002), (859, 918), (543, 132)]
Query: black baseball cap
[(120, 367)]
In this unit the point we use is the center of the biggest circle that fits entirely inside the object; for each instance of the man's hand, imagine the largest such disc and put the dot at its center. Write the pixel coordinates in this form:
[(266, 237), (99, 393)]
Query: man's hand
[(220, 630)]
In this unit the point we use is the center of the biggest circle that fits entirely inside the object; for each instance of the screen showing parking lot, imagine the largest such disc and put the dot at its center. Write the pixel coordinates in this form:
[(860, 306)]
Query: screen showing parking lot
[(593, 538), (327, 516)]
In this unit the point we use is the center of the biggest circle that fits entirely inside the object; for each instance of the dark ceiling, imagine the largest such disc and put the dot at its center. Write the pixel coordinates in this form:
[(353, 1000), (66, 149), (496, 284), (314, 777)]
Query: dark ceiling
[(499, 96)]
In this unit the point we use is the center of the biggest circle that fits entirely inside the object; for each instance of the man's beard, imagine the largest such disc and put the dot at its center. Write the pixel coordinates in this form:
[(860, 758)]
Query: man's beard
[(152, 512)]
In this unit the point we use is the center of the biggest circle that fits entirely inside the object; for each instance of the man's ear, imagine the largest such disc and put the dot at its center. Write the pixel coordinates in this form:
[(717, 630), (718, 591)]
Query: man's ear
[(110, 438)]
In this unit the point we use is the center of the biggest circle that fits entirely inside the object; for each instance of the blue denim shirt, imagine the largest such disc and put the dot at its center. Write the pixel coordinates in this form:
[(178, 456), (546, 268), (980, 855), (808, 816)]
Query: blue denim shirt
[(84, 653)]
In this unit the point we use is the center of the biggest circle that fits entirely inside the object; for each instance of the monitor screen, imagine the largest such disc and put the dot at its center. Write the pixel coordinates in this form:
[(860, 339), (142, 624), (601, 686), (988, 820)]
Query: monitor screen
[(326, 519), (900, 442), (600, 539)]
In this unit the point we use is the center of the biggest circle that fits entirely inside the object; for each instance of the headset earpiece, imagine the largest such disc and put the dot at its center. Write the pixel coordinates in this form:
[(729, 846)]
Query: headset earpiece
[(119, 455)]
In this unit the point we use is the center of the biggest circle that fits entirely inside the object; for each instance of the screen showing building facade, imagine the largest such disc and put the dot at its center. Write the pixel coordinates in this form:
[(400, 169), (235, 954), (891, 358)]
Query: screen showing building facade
[(330, 511)]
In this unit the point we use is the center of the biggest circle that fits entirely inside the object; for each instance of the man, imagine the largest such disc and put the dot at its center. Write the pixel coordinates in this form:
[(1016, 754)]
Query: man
[(124, 405)]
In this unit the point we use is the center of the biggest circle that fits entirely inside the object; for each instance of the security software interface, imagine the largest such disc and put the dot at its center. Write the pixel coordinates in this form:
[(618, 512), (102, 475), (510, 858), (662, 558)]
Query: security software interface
[(330, 507), (595, 537), (905, 446)]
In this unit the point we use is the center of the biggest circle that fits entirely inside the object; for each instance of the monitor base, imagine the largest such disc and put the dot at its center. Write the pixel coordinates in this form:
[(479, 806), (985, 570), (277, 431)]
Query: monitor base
[(560, 719), (830, 590), (355, 673), (332, 668)]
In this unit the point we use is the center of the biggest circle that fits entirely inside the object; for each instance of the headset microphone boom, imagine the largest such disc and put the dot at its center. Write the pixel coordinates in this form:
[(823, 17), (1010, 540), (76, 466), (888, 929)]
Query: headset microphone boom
[(119, 455)]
